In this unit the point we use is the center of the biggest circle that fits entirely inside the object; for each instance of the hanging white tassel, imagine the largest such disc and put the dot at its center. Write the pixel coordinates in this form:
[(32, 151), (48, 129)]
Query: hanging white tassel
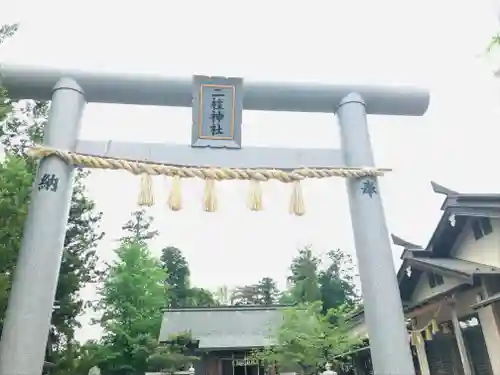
[(255, 196), (297, 206), (146, 195), (175, 196), (210, 197)]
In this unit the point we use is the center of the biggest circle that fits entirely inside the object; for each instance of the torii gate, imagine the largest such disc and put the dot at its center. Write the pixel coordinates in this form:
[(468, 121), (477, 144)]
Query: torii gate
[(30, 305)]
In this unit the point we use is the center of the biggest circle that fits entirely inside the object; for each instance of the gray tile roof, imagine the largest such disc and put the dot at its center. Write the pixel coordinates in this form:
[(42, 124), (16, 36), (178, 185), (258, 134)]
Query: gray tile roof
[(224, 327)]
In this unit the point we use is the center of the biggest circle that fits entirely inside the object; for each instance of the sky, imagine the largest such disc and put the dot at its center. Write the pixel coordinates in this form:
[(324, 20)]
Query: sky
[(435, 44)]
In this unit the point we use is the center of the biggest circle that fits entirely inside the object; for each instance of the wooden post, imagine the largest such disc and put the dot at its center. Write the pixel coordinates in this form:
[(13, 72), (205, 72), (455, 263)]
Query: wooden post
[(422, 358), (462, 350)]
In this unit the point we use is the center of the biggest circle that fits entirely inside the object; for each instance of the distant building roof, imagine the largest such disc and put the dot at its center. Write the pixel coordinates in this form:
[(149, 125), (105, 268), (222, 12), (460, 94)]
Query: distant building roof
[(228, 327)]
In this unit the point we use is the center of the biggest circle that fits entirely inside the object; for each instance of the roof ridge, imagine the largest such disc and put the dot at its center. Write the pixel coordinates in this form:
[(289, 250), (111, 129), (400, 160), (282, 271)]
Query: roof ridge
[(227, 308)]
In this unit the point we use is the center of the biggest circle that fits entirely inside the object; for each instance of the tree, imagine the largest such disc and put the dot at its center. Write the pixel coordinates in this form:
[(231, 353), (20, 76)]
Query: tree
[(139, 228), (177, 279), (244, 295), (174, 356), (222, 296), (132, 301), (177, 283), (268, 291), (7, 31), (21, 125), (200, 297), (15, 189), (331, 282), (265, 292), (304, 285), (132, 297), (336, 282), (494, 43), (307, 339)]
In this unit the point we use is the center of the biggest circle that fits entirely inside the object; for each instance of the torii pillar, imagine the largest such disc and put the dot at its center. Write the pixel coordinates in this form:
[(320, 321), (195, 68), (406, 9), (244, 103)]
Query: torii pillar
[(29, 312)]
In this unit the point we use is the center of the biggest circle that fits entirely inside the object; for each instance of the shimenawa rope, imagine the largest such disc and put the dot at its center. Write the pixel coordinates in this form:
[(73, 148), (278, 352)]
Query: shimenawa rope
[(429, 329), (209, 174)]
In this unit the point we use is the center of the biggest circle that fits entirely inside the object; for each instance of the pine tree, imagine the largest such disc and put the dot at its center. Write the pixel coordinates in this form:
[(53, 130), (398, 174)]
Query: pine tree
[(304, 278), (177, 278), (177, 283)]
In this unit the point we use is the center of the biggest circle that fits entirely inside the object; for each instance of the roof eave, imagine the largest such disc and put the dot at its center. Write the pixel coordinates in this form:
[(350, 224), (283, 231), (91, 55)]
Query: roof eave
[(231, 348), (462, 275)]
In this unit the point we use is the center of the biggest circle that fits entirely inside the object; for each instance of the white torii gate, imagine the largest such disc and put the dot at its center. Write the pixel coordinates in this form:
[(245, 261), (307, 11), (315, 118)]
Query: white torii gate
[(27, 322)]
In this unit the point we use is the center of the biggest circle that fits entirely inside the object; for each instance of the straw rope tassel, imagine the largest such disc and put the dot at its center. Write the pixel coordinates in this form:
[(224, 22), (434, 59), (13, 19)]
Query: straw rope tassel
[(255, 196), (297, 200), (419, 338), (414, 338), (146, 196), (428, 333), (175, 197), (209, 197), (434, 326)]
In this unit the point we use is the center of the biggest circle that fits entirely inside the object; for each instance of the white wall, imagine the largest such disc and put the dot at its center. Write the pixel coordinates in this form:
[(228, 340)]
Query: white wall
[(485, 250), (423, 290)]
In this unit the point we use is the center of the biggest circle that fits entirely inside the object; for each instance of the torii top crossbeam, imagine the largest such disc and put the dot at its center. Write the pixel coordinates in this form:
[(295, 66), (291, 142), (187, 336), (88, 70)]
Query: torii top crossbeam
[(26, 82)]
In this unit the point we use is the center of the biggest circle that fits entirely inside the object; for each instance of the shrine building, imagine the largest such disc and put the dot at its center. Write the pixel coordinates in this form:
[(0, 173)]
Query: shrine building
[(450, 291), (223, 337)]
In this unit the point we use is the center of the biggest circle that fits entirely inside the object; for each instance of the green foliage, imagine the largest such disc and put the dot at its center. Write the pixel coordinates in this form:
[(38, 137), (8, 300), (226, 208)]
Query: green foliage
[(331, 282), (132, 291), (304, 277), (494, 43), (336, 282), (131, 303), (264, 292), (139, 228), (132, 298), (268, 291), (307, 339), (177, 354), (177, 279), (7, 31), (177, 284), (201, 297), (244, 295), (15, 189), (5, 104)]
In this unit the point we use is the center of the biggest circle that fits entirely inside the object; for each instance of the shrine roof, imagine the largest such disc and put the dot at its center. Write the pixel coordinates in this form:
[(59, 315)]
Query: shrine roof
[(457, 267), (224, 327)]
